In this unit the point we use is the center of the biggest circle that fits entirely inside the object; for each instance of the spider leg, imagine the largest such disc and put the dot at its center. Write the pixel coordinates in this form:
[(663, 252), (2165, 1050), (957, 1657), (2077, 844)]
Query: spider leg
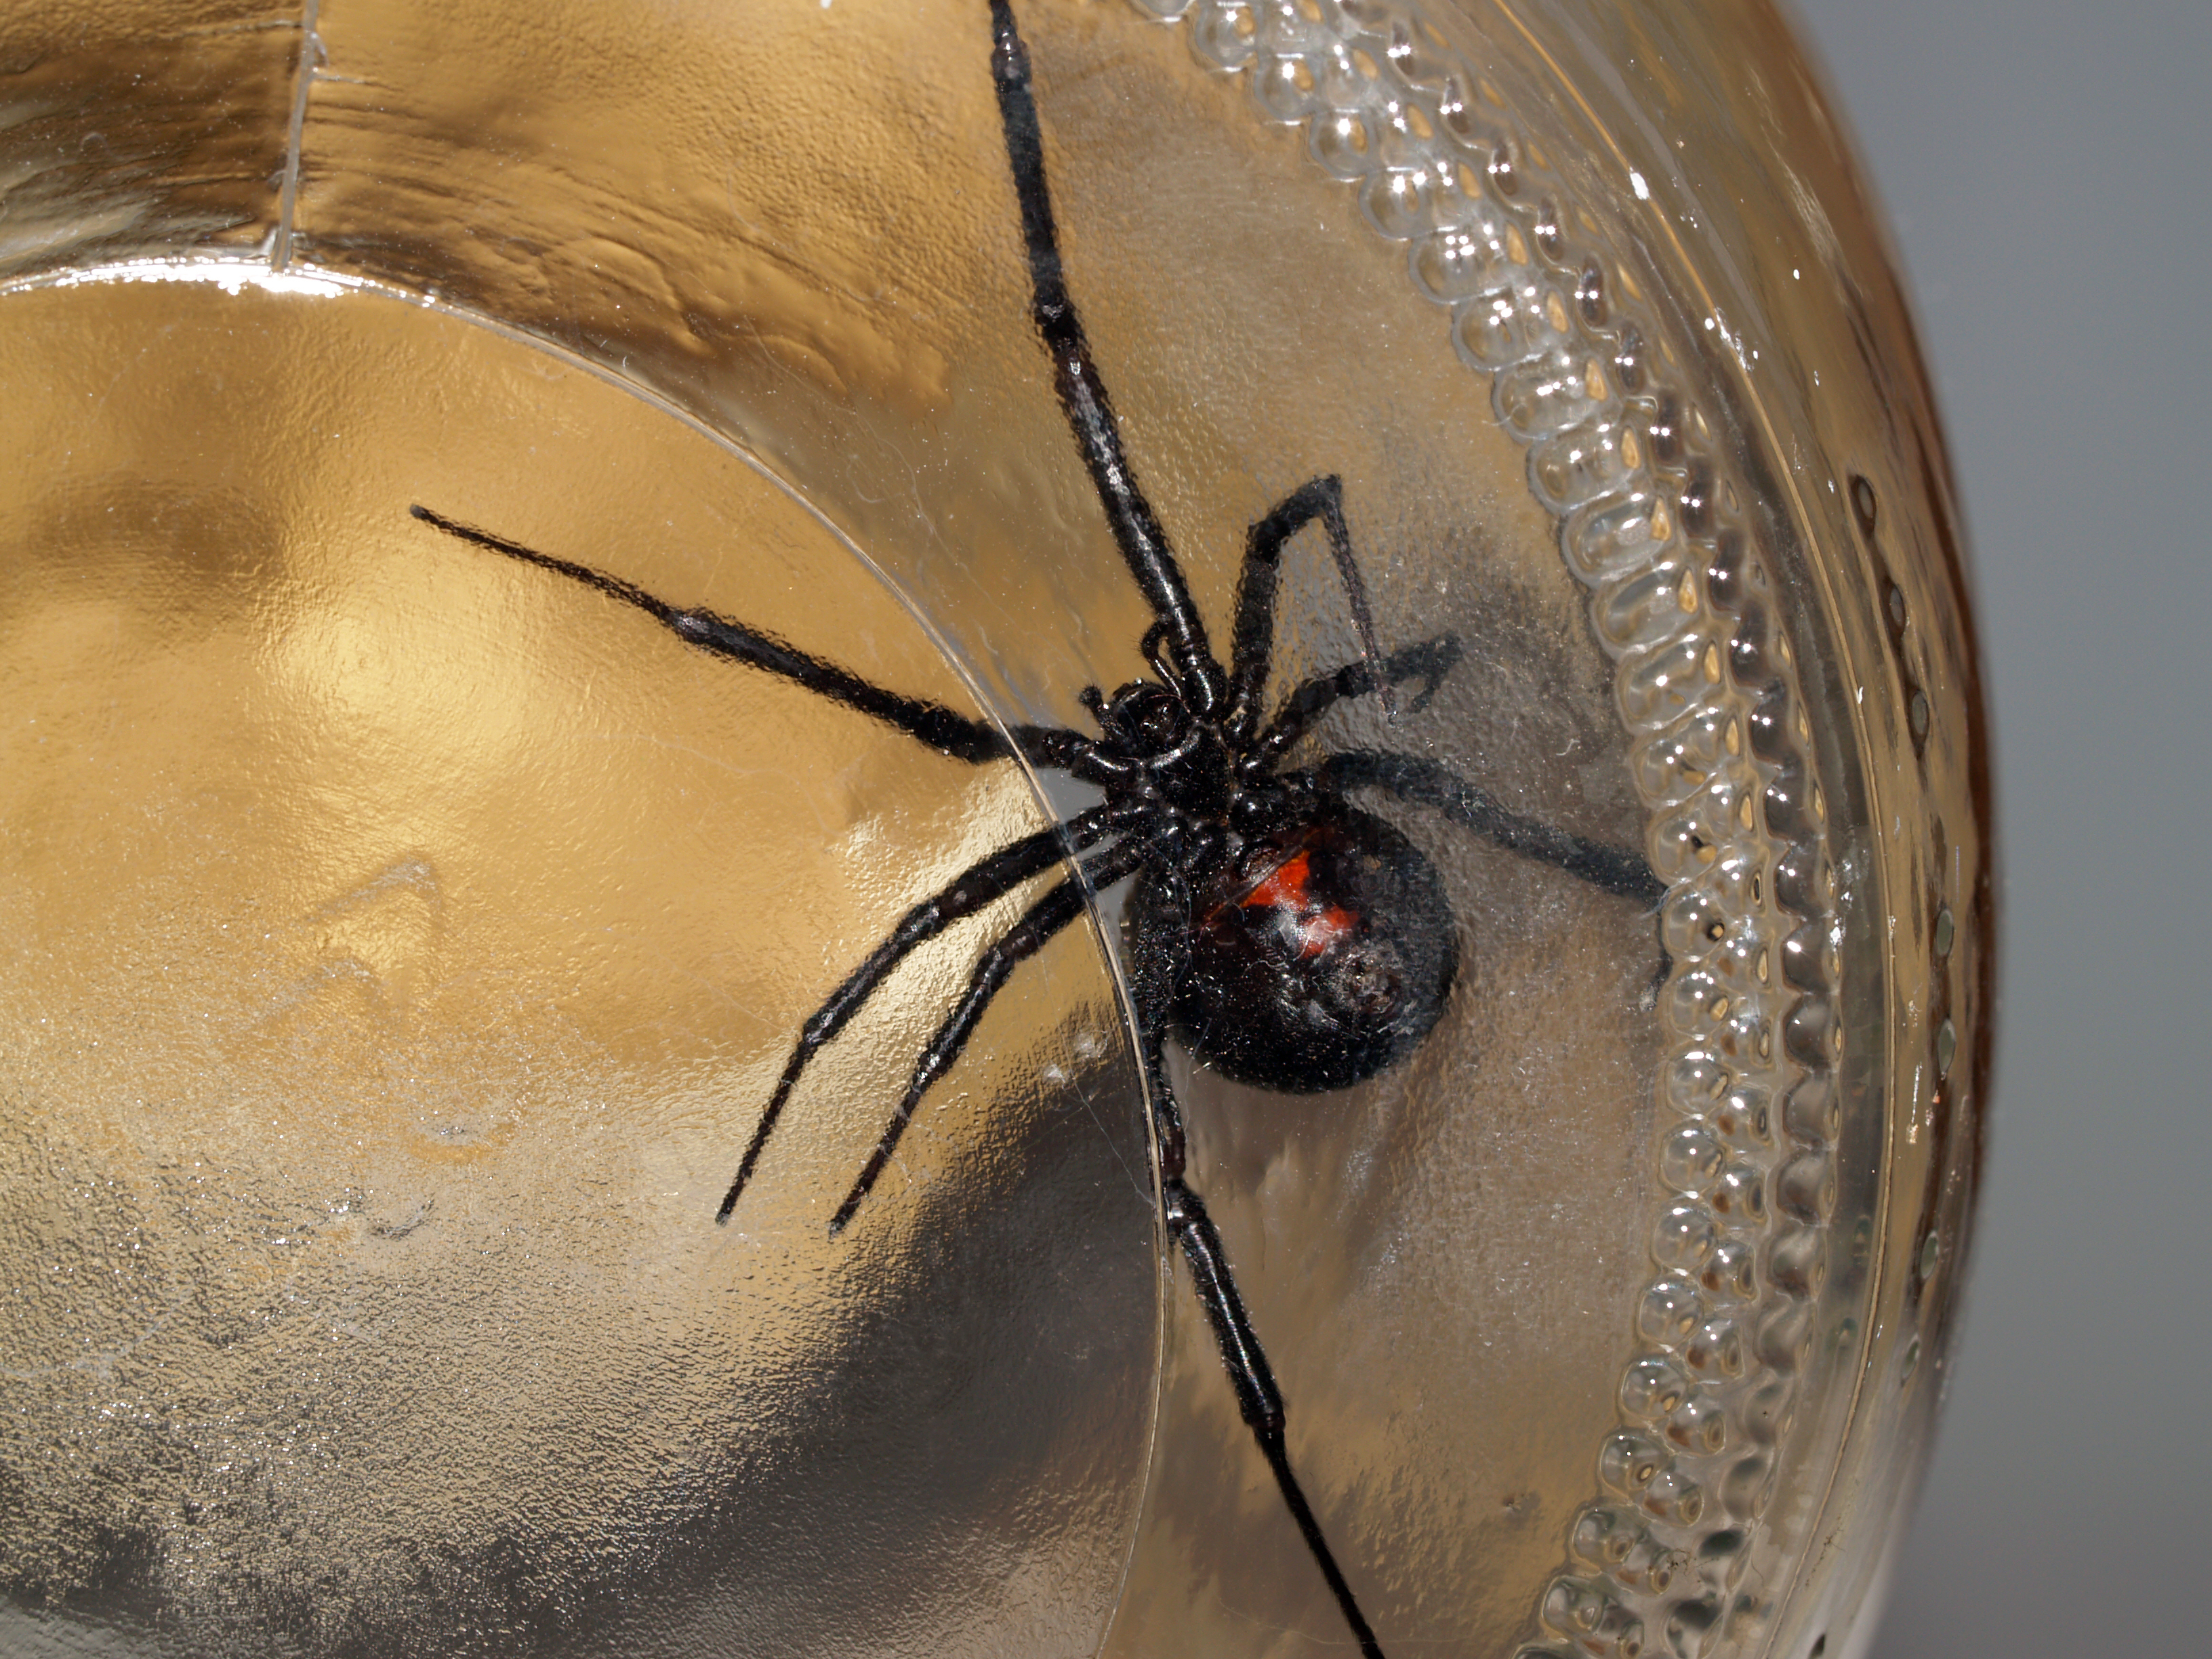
[(931, 723), (1409, 777), (1037, 926), (982, 884), (1429, 662), (1136, 527), (1254, 645), (1258, 1398), (1257, 1395)]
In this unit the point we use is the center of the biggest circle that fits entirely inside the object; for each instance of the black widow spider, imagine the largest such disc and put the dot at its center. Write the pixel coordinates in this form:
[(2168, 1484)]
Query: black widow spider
[(1287, 938)]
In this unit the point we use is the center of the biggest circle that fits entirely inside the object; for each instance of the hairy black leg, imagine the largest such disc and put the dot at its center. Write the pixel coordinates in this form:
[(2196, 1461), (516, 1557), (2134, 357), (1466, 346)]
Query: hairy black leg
[(1158, 959), (1037, 927), (928, 722), (1429, 662), (981, 884), (1257, 1396), (1253, 647), (1613, 869), (1136, 528)]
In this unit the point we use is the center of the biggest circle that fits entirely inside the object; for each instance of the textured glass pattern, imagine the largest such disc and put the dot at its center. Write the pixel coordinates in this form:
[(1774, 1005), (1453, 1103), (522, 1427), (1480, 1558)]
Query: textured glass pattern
[(1626, 461)]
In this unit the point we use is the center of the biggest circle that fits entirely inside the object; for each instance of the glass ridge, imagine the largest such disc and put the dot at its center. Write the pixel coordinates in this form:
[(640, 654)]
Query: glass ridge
[(1651, 521)]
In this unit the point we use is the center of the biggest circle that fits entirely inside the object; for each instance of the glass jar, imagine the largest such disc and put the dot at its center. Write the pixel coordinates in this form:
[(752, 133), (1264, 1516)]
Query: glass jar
[(414, 904)]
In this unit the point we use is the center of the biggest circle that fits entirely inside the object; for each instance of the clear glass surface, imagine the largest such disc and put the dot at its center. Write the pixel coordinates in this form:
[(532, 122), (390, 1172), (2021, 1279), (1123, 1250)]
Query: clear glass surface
[(401, 942)]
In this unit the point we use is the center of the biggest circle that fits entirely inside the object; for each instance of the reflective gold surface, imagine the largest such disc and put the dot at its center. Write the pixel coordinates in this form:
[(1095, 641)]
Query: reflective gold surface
[(399, 944), (399, 952)]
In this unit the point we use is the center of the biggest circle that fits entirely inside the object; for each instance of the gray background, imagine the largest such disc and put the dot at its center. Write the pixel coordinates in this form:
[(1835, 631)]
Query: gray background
[(2044, 163)]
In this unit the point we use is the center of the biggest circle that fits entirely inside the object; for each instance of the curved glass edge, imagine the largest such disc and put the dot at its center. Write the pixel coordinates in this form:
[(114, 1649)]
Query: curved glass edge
[(1683, 545), (1704, 140), (1585, 373)]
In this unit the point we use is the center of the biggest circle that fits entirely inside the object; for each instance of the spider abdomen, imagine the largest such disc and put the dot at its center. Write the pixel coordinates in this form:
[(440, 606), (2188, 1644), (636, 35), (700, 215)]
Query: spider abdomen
[(1320, 955)]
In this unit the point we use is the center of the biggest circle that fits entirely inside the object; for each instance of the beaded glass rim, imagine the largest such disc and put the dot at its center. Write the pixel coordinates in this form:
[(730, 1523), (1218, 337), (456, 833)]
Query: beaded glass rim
[(1652, 523)]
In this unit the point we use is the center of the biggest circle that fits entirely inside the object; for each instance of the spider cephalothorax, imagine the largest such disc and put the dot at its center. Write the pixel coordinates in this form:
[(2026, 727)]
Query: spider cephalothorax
[(1309, 945), (1287, 936)]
